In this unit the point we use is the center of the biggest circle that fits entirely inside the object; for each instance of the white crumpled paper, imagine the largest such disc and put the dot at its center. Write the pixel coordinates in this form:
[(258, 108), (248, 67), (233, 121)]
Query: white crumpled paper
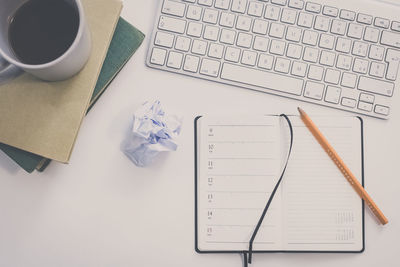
[(153, 131)]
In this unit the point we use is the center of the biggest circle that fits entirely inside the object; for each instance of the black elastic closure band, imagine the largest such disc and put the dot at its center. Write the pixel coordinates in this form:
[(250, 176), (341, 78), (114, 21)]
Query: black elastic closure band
[(250, 252)]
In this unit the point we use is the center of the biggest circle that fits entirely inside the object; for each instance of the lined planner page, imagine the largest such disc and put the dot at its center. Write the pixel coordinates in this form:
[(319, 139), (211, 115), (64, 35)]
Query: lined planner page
[(322, 212), (238, 165)]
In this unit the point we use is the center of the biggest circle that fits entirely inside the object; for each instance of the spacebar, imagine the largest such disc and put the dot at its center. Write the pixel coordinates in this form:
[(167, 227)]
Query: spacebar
[(262, 79)]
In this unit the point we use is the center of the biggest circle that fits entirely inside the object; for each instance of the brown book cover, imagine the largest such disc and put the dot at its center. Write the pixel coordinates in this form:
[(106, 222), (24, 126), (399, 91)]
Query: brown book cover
[(44, 117)]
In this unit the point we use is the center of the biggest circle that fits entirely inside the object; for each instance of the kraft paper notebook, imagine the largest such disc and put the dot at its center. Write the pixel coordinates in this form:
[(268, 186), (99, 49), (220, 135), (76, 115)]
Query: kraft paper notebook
[(44, 118), (125, 42), (238, 162)]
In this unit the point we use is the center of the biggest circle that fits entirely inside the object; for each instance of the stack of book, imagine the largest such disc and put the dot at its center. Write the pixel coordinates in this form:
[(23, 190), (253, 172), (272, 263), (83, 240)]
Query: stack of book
[(39, 121)]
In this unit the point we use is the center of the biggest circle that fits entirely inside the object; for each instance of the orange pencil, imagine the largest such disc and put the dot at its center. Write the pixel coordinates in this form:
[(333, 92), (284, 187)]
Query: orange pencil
[(342, 167)]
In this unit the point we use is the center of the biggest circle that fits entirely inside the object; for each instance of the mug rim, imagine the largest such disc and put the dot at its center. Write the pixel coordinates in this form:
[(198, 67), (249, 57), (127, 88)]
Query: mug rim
[(74, 44)]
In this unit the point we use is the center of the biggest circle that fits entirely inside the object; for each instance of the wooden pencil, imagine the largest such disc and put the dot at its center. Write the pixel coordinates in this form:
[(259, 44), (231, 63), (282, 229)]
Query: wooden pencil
[(342, 167)]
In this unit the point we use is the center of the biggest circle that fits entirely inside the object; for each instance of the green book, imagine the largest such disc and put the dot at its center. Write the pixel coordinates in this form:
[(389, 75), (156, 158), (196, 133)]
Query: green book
[(125, 42)]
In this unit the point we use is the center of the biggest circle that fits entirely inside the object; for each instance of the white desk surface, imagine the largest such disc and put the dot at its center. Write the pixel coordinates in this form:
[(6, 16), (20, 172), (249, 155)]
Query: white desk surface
[(102, 210)]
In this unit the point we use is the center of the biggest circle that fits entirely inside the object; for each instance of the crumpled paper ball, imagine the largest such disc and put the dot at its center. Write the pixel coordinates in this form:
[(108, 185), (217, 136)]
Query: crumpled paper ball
[(153, 131)]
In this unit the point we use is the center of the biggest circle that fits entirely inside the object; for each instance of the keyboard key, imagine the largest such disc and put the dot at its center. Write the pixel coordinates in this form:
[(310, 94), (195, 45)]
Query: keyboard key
[(205, 2), (382, 23), (227, 19), (158, 56), (367, 98), (243, 23), (355, 31), (211, 33), (277, 30), (282, 65), (262, 79), (395, 26), (191, 63), (311, 54), (261, 44), (255, 9), (216, 50), (182, 43), (375, 86), (299, 69), (333, 94), (297, 4), (365, 19), (390, 39), (265, 61), (244, 40), (210, 16), (172, 24), (232, 54), (343, 45), (321, 23), (194, 29), (289, 16), (260, 26), (330, 11), (360, 66), (360, 49), (314, 90), (199, 47), (349, 80), (249, 58), (164, 39), (194, 12), (371, 34), (277, 47), (310, 37), (377, 70), (376, 52), (239, 6), (294, 51), (313, 7), (315, 73), (347, 15), (174, 60), (305, 20), (227, 36), (344, 62), (279, 2), (332, 76), (349, 102), (173, 8), (338, 27), (365, 106), (326, 41), (222, 4), (210, 67), (293, 34), (327, 58), (272, 12), (393, 59), (383, 110)]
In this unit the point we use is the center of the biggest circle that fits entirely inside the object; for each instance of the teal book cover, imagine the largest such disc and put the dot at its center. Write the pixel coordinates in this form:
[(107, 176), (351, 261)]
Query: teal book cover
[(125, 42)]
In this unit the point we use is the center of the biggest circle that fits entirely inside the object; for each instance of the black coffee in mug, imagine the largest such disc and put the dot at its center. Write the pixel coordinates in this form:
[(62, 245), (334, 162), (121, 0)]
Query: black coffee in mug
[(42, 30)]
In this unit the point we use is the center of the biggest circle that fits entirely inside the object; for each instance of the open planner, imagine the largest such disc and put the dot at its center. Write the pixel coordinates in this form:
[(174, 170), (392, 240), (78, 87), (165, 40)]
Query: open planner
[(238, 162)]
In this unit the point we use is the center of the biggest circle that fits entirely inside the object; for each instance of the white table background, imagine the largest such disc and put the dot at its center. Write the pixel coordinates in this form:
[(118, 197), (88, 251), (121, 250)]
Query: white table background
[(102, 210)]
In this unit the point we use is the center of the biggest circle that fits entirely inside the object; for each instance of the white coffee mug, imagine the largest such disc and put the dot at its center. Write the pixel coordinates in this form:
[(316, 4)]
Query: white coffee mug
[(64, 67)]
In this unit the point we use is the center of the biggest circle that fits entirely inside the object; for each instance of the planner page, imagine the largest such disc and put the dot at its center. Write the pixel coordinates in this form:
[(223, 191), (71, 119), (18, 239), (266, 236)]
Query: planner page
[(322, 212), (238, 166)]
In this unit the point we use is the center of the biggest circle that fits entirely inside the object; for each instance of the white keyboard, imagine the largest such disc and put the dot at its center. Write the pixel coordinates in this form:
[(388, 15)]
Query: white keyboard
[(340, 54)]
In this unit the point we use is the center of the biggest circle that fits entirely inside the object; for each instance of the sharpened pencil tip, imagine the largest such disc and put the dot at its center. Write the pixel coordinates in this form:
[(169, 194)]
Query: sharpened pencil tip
[(300, 110)]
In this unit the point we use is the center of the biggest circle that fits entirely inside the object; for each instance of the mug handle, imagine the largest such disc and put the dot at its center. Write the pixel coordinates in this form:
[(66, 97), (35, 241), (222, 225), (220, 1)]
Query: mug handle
[(8, 71)]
